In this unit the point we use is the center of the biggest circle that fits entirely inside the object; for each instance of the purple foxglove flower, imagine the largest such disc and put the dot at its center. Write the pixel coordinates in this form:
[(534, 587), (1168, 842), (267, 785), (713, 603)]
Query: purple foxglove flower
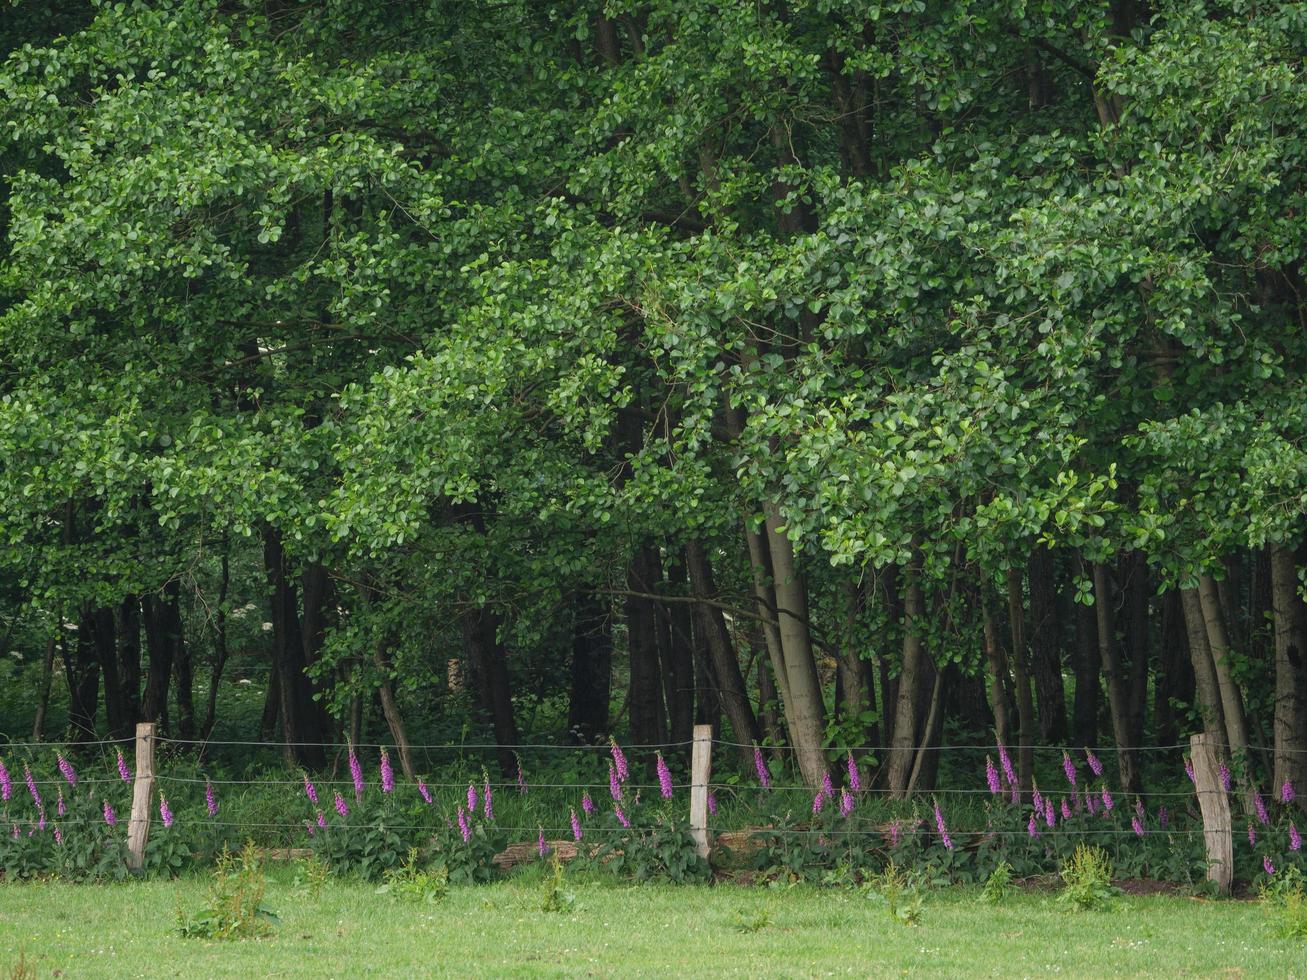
[(464, 827), (614, 784), (387, 774), (31, 786), (1009, 773), (1267, 866), (943, 831), (1016, 795), (576, 825), (356, 773), (521, 779), (1260, 807), (341, 806), (1224, 772), (1050, 817), (1037, 799), (760, 766), (1252, 835), (665, 778), (310, 791), (1189, 770), (587, 804), (621, 817), (1286, 793), (6, 787), (472, 798), (1066, 809), (210, 801), (991, 777), (124, 773), (846, 802), (58, 836), (165, 811), (544, 848), (827, 787), (1162, 817), (1295, 838), (619, 760), (59, 807), (1032, 827), (1068, 769), (1095, 764), (1107, 801), (321, 820), (894, 834), (110, 817), (488, 801), (40, 824), (818, 802), (309, 828), (424, 792), (1090, 805), (712, 803), (1138, 825), (855, 777), (1139, 808), (66, 768)]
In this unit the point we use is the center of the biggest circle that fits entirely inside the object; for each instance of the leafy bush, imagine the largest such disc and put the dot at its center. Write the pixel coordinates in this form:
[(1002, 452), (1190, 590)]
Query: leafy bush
[(998, 885), (557, 898), (234, 908), (1087, 879), (411, 883), (1285, 900), (900, 892)]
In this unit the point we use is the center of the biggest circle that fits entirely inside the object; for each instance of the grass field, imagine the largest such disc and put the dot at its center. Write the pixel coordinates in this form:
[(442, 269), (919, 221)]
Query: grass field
[(127, 930)]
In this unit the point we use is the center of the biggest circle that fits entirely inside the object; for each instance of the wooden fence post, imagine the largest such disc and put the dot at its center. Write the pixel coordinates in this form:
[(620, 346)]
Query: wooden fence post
[(700, 774), (138, 827), (1218, 832)]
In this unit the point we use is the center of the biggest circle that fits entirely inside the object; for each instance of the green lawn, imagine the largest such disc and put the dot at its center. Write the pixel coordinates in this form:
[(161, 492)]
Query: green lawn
[(128, 930)]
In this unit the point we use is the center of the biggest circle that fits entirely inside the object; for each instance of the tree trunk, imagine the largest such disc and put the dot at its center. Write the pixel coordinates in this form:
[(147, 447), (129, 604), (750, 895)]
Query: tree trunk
[(1175, 674), (490, 665), (1200, 655), (159, 646), (1118, 698), (129, 655), (219, 650), (913, 674), (390, 709), (43, 691), (303, 730), (1045, 643), (1021, 677), (1085, 706), (648, 718), (857, 683), (997, 670), (591, 674), (83, 673), (1290, 672), (104, 636), (676, 653), (1236, 725), (271, 706)]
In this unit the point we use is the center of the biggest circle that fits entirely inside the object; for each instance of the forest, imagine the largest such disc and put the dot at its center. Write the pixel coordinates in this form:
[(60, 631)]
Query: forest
[(864, 374)]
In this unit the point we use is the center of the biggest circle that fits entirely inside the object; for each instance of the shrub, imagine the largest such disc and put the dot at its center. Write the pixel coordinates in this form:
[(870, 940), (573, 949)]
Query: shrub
[(1087, 879), (1284, 899), (234, 908)]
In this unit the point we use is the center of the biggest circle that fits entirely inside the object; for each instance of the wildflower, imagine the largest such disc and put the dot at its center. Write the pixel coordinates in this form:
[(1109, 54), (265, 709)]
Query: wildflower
[(66, 768), (621, 817), (619, 760), (587, 804), (576, 825), (1037, 799), (110, 817), (855, 777), (1095, 764), (6, 787), (544, 848), (471, 797), (1090, 805), (1016, 796), (712, 803), (1189, 770), (827, 787), (322, 820), (40, 824), (309, 828), (1107, 801), (58, 836), (341, 806), (846, 802), (424, 792), (59, 808), (1162, 817), (1224, 772), (665, 778), (991, 777), (31, 786), (1286, 792), (165, 811), (760, 766), (1068, 769), (1139, 808), (521, 778), (356, 773), (1032, 827), (1295, 838), (488, 801), (124, 773), (310, 790), (1138, 825), (464, 827), (614, 784), (1005, 761), (1050, 818), (1066, 809), (894, 834), (818, 802), (1267, 866), (387, 773), (943, 831), (1260, 807)]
